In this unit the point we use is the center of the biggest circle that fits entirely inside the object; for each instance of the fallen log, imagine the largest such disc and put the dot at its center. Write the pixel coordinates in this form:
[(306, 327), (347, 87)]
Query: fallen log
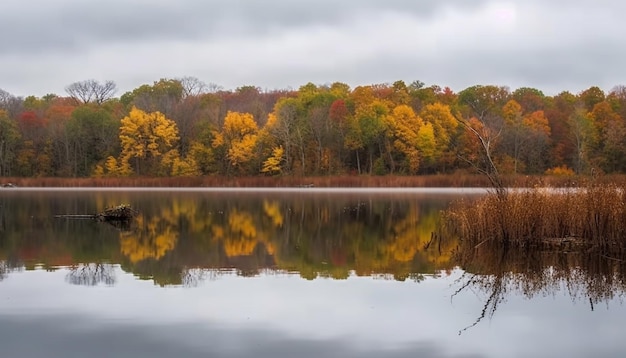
[(117, 213), (120, 212)]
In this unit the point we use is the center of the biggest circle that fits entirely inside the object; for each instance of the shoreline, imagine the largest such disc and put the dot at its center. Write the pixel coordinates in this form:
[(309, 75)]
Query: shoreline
[(421, 181)]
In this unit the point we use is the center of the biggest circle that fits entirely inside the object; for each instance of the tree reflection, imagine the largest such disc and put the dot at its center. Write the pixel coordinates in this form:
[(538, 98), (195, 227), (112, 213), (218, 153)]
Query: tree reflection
[(497, 273), (176, 238), (91, 274), (8, 266), (148, 239), (191, 277)]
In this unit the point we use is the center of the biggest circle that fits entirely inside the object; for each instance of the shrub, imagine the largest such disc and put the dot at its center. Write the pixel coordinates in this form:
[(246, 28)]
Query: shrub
[(562, 170)]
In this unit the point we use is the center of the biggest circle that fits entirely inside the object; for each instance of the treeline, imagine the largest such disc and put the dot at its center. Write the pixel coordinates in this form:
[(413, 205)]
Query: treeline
[(182, 127)]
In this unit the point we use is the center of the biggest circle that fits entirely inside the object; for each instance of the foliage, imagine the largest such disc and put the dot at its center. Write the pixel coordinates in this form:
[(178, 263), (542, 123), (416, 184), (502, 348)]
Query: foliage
[(147, 137), (238, 140), (272, 165), (562, 170), (413, 129), (9, 140)]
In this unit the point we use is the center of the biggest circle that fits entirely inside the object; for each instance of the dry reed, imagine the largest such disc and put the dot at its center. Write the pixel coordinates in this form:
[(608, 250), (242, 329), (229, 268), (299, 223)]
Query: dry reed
[(593, 215)]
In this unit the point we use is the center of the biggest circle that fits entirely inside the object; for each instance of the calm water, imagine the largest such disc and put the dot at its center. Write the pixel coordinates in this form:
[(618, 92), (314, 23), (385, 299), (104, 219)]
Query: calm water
[(300, 273)]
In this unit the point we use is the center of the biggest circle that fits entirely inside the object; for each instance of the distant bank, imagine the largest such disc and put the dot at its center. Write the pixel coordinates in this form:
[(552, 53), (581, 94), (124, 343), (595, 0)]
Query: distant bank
[(349, 181)]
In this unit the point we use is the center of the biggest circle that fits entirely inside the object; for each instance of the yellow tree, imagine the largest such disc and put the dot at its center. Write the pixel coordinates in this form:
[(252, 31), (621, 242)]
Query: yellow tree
[(426, 142), (273, 163), (176, 165), (147, 137), (444, 127), (406, 124), (238, 139)]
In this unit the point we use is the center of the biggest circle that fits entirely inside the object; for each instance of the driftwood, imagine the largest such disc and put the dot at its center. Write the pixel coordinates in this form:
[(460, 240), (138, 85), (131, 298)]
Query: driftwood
[(117, 213), (120, 212)]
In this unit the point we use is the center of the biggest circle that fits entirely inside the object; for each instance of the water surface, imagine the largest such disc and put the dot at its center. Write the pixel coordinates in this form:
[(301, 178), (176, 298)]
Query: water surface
[(271, 273)]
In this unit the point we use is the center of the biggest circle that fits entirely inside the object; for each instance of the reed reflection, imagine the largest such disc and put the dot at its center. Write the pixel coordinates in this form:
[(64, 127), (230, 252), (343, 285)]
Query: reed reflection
[(496, 273)]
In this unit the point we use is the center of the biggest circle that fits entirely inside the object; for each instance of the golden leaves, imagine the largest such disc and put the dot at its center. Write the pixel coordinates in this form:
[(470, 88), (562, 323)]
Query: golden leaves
[(150, 240), (272, 210), (273, 163), (239, 136), (144, 133)]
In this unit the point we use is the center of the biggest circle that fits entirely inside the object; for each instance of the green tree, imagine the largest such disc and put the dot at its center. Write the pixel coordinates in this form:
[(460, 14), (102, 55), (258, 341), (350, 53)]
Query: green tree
[(584, 135), (92, 137)]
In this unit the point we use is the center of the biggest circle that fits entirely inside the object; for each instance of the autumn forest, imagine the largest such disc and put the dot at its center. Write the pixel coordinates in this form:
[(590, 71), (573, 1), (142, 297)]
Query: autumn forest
[(184, 127)]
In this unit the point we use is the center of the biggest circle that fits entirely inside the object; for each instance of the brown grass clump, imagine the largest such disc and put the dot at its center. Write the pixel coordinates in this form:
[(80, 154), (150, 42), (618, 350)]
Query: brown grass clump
[(590, 216)]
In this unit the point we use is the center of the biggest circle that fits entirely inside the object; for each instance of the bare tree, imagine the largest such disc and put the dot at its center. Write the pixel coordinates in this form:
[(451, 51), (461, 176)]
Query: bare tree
[(91, 91), (192, 86), (10, 103), (4, 96), (214, 88)]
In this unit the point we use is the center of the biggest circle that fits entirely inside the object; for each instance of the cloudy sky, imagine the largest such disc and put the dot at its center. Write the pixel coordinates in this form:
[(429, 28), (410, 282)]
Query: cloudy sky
[(551, 45)]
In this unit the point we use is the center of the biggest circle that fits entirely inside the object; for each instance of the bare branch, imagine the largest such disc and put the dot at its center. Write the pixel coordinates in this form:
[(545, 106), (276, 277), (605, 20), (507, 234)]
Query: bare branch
[(103, 92), (91, 91), (193, 86), (4, 96), (486, 140)]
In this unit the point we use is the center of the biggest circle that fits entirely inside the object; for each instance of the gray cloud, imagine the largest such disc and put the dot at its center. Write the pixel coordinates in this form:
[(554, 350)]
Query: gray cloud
[(70, 25), (553, 46), (68, 336)]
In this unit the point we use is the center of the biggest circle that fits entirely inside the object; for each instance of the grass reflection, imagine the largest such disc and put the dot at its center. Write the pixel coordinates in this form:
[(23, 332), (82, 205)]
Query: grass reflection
[(496, 272)]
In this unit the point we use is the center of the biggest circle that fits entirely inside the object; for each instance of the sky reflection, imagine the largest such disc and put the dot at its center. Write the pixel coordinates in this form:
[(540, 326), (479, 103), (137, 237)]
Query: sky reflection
[(284, 315)]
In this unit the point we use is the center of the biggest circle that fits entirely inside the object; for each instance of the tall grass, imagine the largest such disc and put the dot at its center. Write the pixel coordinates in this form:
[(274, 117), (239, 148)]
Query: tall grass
[(593, 215)]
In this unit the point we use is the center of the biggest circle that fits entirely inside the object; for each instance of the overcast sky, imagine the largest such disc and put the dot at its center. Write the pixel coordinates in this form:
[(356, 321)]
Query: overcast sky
[(552, 45)]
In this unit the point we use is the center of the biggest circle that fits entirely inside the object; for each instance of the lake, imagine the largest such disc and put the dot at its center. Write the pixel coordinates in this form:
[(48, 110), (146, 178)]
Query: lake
[(305, 272)]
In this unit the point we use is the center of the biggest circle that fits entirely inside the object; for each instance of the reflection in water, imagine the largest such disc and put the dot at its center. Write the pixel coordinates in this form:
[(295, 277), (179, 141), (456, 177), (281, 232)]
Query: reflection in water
[(495, 273), (177, 233), (91, 274), (148, 239), (8, 266), (205, 241)]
